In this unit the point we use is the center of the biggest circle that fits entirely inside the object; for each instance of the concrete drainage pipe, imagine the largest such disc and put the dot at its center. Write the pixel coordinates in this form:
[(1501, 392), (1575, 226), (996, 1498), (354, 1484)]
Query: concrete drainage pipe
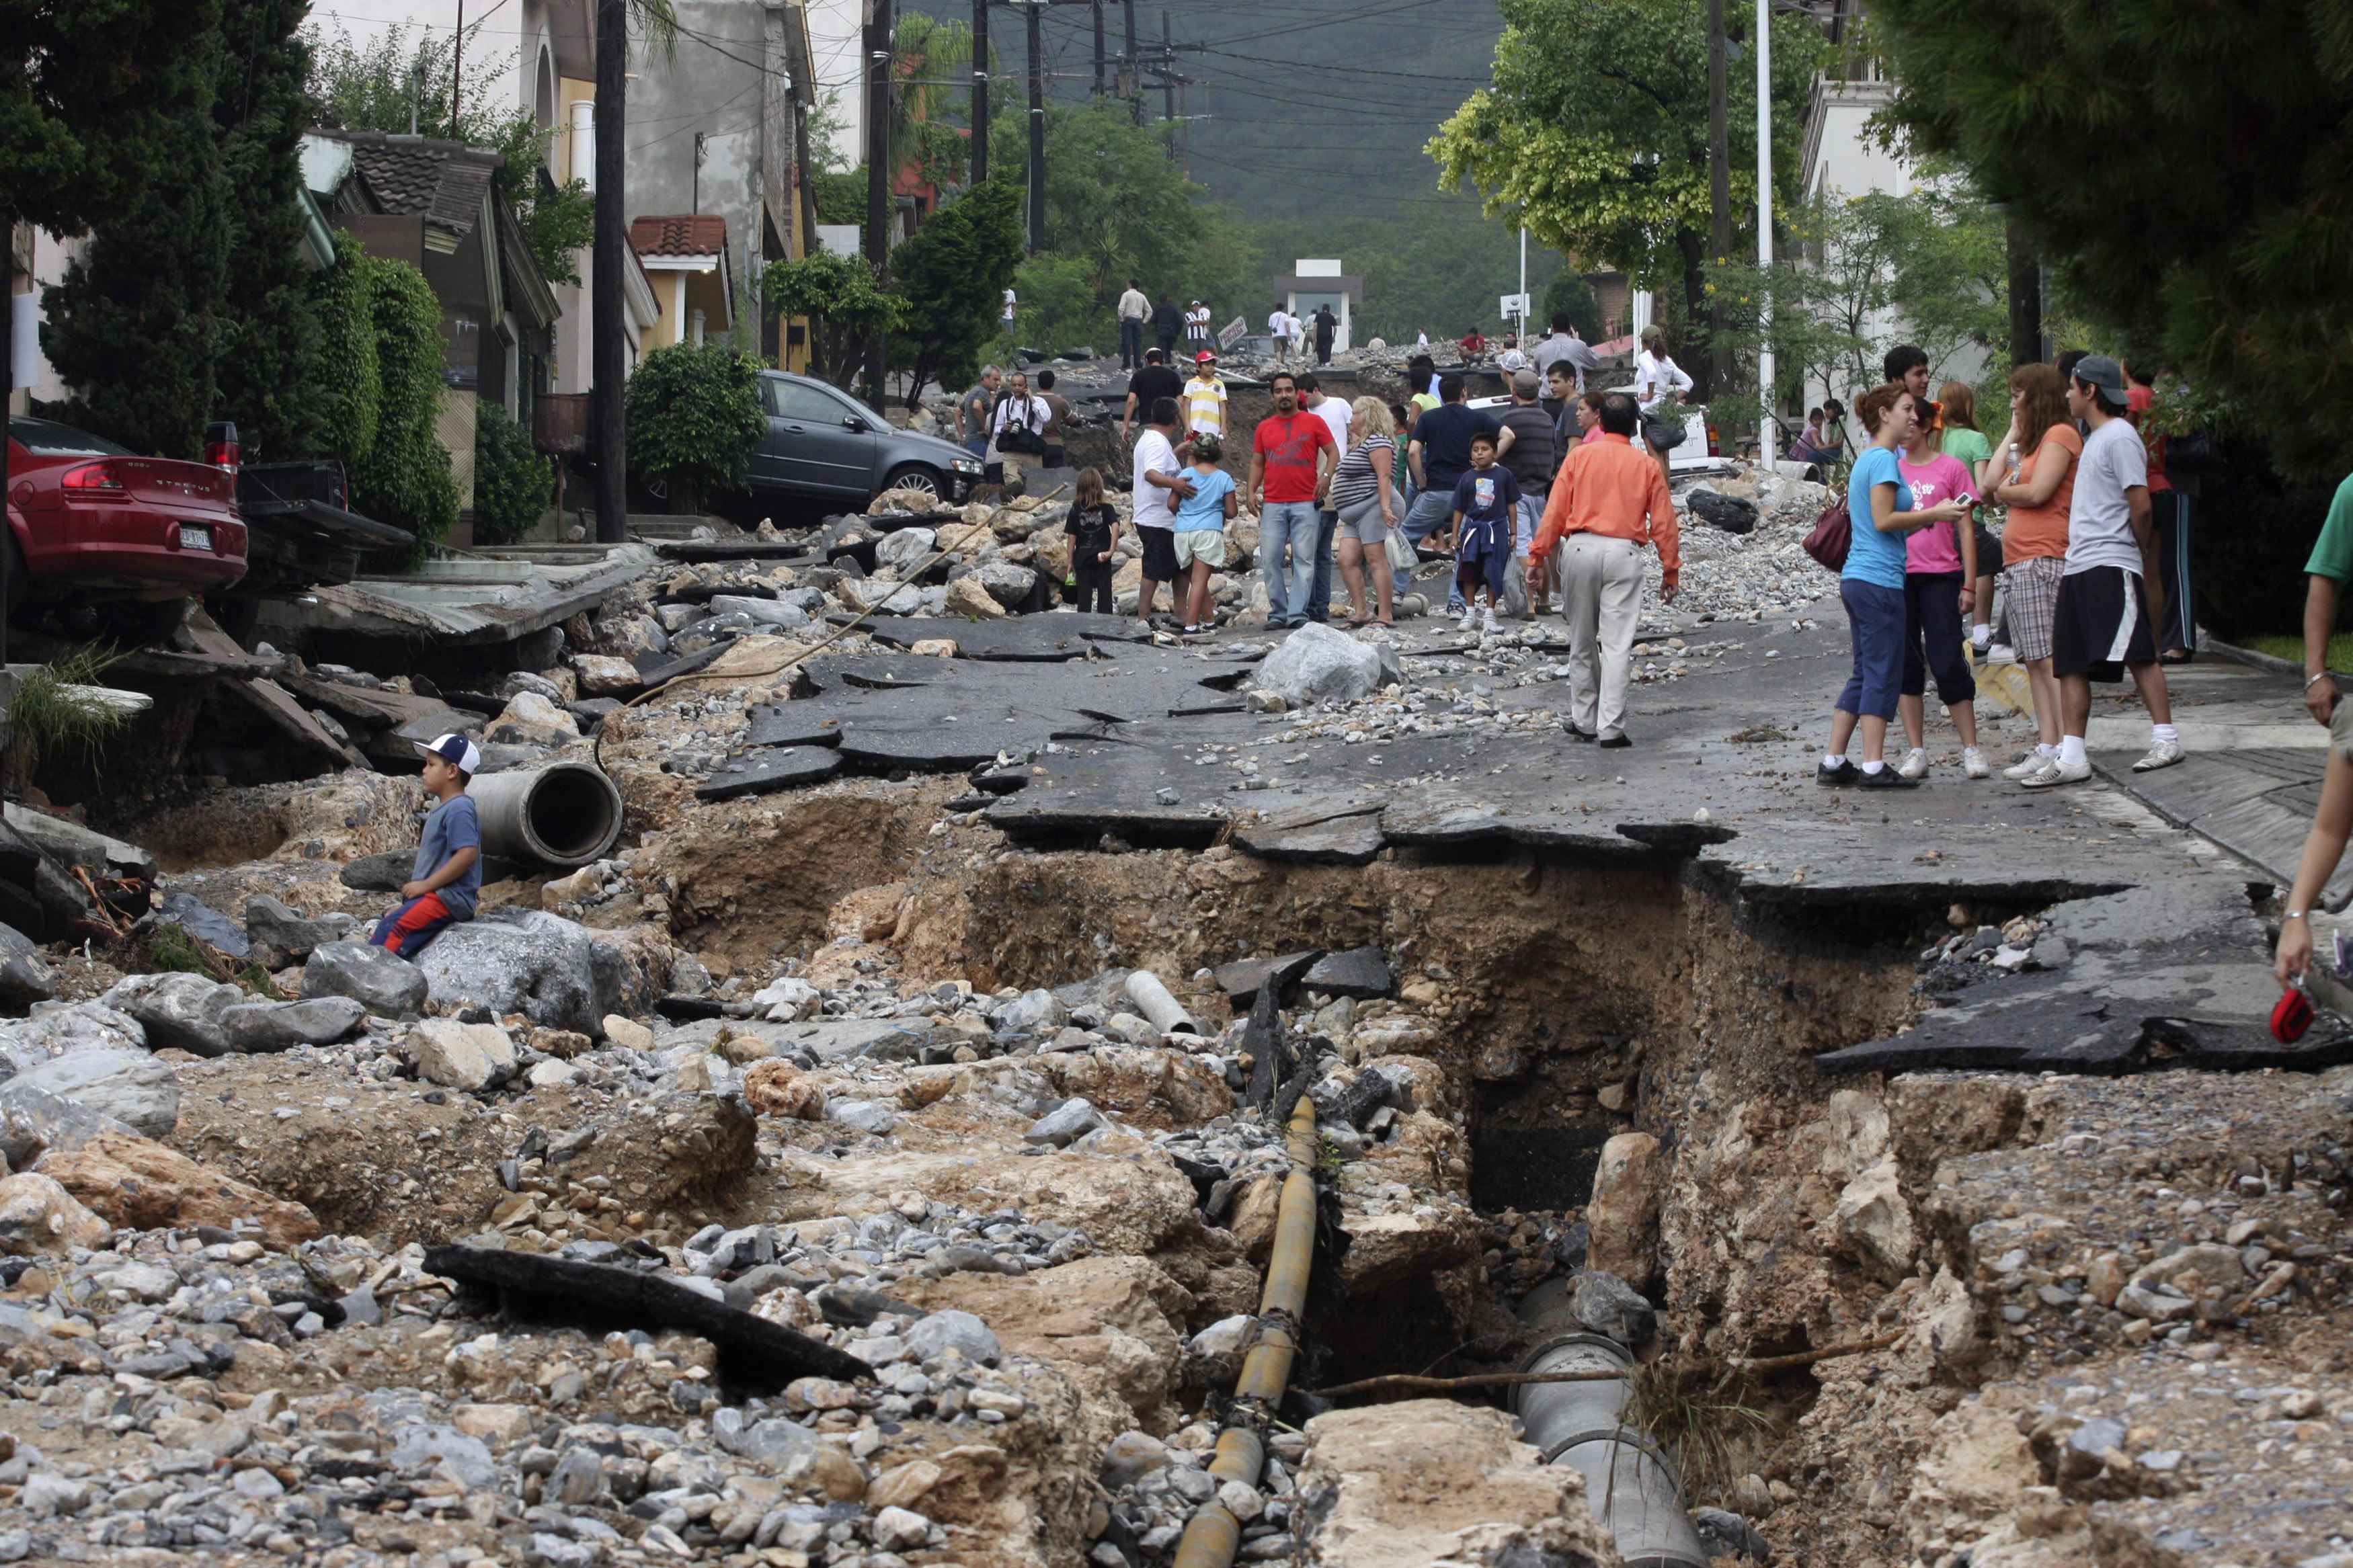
[(567, 814), (1629, 1484)]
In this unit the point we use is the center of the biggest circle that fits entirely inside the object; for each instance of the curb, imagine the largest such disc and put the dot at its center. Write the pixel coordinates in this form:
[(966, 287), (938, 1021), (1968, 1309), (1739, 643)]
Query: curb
[(2255, 660)]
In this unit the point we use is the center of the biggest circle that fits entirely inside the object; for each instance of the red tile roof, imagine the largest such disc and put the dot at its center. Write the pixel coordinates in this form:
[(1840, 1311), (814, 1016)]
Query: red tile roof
[(690, 233)]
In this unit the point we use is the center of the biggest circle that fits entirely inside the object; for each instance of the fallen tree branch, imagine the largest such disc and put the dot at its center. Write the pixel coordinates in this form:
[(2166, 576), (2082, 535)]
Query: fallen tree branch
[(1409, 1383)]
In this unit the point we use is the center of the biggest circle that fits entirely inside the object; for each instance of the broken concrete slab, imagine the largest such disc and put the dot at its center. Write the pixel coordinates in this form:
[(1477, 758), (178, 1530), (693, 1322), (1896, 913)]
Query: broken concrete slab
[(756, 1355), (1361, 972), (2081, 1040), (1317, 834), (1241, 981), (770, 769)]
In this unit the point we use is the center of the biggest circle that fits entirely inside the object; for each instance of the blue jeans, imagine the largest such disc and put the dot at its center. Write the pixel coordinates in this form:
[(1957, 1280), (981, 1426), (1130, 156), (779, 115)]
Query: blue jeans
[(1292, 525), (1131, 345), (1319, 589), (1432, 510), (1875, 619)]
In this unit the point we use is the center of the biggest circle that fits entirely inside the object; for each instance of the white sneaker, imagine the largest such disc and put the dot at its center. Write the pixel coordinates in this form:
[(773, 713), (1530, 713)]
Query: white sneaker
[(2000, 653), (1470, 618), (1973, 764), (1914, 763), (1981, 639), (2054, 771), (2161, 755), (2030, 763), (1491, 625)]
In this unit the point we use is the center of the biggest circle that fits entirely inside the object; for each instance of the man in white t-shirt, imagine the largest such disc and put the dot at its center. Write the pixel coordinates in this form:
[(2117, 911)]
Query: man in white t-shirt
[(1335, 413), (1278, 327), (2109, 598), (1158, 483)]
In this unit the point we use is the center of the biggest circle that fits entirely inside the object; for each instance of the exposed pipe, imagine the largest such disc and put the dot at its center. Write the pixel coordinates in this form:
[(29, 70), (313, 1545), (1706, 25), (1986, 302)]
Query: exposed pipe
[(1213, 1533), (1629, 1484), (567, 814), (1161, 1010)]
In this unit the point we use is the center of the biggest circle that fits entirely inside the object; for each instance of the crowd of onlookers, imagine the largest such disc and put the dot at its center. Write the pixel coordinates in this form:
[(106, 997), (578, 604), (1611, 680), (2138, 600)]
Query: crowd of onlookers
[(2091, 572)]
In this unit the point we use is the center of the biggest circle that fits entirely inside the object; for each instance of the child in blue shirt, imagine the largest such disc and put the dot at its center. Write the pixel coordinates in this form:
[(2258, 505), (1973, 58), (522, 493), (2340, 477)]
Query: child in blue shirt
[(1486, 500), (1201, 520), (447, 878)]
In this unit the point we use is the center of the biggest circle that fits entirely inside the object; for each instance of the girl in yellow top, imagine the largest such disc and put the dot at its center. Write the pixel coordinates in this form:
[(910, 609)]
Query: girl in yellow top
[(1205, 399)]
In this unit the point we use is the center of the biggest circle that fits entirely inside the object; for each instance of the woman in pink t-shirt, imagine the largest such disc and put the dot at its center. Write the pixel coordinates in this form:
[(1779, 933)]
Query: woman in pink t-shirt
[(1940, 572)]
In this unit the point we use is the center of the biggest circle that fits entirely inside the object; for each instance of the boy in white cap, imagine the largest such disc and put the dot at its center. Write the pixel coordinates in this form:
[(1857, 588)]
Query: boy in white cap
[(447, 878)]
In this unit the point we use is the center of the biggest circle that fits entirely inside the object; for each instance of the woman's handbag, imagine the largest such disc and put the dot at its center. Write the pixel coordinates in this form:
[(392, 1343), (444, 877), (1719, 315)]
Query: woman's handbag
[(1831, 536)]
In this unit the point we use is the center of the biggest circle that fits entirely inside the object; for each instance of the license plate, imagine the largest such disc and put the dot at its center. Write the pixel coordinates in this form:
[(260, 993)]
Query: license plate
[(195, 538)]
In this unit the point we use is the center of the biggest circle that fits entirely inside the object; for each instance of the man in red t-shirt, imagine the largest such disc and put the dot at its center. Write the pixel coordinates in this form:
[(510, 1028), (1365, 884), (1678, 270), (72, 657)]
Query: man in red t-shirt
[(1291, 454)]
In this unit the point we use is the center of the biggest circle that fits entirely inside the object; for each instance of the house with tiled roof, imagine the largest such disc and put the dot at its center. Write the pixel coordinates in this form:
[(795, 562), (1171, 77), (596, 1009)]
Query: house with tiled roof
[(693, 277)]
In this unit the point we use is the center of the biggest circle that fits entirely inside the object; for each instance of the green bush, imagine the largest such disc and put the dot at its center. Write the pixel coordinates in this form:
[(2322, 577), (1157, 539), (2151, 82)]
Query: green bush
[(351, 385), (1058, 308), (404, 479), (694, 418), (511, 481)]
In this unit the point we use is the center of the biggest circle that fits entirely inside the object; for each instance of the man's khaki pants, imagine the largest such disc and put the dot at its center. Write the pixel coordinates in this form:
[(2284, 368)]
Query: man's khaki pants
[(1602, 586)]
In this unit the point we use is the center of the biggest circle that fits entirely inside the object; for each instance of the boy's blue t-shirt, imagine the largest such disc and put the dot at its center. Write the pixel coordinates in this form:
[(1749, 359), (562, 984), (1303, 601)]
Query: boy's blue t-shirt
[(1486, 495), (1205, 509), (449, 827), (1872, 556)]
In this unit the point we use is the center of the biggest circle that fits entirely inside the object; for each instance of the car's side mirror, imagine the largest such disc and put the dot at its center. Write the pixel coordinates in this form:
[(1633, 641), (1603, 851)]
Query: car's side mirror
[(852, 422)]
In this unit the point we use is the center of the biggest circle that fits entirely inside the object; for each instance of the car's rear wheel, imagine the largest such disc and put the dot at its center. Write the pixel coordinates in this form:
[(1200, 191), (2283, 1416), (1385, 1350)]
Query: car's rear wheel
[(916, 476)]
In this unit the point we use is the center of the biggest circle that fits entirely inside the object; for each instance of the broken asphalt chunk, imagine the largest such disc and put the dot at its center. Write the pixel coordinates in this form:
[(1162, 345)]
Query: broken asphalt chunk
[(754, 1355)]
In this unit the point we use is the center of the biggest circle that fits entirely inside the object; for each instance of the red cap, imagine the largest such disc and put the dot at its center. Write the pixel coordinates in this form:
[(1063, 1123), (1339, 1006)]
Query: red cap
[(1205, 357)]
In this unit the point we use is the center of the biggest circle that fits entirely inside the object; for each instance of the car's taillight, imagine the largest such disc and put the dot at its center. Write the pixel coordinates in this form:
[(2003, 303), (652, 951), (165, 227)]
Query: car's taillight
[(220, 445), (92, 482), (1715, 449)]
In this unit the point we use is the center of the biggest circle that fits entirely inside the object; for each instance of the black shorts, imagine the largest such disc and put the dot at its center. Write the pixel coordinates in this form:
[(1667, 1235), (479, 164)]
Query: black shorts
[(1989, 554), (2102, 624), (1159, 554)]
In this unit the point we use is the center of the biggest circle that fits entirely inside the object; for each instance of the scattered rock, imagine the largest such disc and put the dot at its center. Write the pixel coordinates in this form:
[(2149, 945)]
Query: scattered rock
[(1623, 1219), (138, 1183), (550, 969), (1317, 663), (281, 935), (181, 1012), (375, 978), (263, 1026), (38, 1215), (129, 1086), (469, 1057)]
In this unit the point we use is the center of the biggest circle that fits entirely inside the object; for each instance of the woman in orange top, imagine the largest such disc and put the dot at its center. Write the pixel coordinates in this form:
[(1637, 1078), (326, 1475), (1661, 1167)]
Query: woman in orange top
[(2036, 457)]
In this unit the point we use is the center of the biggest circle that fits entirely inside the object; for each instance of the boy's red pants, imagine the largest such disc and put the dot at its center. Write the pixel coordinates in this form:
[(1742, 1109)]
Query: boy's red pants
[(408, 929)]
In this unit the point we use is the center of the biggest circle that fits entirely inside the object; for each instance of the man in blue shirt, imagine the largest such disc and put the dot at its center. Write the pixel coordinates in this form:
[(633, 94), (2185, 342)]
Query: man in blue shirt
[(447, 878)]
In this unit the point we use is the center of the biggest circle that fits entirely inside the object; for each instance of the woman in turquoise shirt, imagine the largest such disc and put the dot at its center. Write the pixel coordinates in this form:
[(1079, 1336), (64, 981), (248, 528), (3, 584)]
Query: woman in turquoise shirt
[(1879, 514)]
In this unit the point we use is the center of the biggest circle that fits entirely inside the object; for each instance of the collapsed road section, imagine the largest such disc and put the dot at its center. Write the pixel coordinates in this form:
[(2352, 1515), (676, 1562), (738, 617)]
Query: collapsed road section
[(882, 1137)]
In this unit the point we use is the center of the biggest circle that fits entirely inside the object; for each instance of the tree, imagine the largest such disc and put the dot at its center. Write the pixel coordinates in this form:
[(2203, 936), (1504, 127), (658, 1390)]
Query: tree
[(1570, 295), (694, 418), (844, 307), (511, 481), (136, 326), (1595, 132), (950, 277), (269, 363), (1059, 306), (924, 122), (2186, 169)]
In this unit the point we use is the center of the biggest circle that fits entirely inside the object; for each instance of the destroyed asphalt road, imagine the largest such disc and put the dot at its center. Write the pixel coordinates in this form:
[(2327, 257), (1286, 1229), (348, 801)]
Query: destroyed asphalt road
[(836, 1057)]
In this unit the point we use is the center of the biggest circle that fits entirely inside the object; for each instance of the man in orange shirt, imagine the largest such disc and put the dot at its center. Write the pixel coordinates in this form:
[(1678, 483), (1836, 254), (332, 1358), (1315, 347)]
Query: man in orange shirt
[(1608, 501)]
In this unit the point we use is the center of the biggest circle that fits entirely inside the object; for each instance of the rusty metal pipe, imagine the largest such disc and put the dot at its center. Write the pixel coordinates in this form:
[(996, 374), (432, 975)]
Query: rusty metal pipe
[(1213, 1533)]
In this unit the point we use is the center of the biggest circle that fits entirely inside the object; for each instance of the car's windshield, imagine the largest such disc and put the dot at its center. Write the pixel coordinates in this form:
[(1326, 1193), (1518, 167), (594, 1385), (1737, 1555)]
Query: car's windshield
[(47, 439)]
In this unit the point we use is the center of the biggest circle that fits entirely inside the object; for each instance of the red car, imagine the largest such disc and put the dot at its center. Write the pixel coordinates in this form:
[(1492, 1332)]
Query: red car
[(90, 523)]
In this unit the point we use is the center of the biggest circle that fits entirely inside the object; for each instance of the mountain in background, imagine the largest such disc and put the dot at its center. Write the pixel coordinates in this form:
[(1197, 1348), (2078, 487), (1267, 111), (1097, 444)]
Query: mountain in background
[(1307, 118)]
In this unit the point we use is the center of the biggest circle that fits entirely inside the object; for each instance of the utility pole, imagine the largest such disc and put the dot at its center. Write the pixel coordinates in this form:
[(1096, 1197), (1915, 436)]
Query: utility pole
[(701, 142), (1134, 67), (1767, 436), (1097, 6), (1031, 11), (1719, 190), (1167, 70), (878, 170), (457, 67), (607, 352), (979, 91)]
